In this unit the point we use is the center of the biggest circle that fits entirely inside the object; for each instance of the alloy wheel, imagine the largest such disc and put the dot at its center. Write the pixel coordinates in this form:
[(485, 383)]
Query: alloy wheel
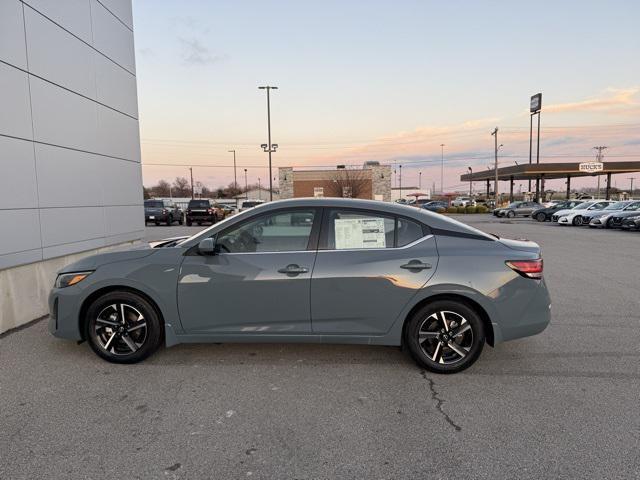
[(120, 329), (445, 337)]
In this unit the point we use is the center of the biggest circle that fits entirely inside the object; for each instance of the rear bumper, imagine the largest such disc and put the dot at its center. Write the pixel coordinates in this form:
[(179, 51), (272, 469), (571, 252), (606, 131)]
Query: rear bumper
[(202, 218), (156, 218)]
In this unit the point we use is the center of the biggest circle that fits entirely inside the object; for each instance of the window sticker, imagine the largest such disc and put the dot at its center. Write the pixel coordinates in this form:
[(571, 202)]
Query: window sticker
[(359, 233)]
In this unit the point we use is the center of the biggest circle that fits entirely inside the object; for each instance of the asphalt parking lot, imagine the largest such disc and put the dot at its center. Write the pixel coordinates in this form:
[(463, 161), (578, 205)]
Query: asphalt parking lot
[(563, 404)]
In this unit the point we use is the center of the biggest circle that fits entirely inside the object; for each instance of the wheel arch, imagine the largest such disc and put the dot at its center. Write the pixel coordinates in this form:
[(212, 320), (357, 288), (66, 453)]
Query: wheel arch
[(475, 306), (115, 288)]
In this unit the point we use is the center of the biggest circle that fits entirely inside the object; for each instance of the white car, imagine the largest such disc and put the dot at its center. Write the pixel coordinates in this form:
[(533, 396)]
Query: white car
[(246, 204), (463, 202), (574, 215)]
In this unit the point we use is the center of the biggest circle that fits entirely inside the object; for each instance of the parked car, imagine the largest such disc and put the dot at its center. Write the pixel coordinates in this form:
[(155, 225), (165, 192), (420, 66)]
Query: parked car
[(202, 211), (435, 205), (246, 204), (516, 209), (463, 202), (545, 214), (551, 203), (631, 223), (161, 211), (366, 272), (613, 215), (419, 202), (574, 215)]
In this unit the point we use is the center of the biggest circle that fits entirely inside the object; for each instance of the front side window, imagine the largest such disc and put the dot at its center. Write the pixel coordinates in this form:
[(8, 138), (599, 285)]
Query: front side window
[(275, 232)]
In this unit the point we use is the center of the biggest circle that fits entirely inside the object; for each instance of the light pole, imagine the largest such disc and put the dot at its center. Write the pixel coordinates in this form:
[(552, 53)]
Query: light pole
[(470, 180), (419, 180), (442, 145), (235, 180), (495, 187), (270, 147), (631, 188), (191, 172), (259, 190), (400, 181), (246, 187)]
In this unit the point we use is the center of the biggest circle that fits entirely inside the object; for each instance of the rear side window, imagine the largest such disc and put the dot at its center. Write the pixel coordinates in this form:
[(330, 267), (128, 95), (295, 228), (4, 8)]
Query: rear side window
[(408, 232), (153, 203)]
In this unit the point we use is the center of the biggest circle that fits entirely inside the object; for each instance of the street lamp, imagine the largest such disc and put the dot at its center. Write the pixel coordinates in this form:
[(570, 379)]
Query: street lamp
[(235, 180), (470, 181), (269, 148), (246, 188), (259, 190), (419, 180), (400, 181)]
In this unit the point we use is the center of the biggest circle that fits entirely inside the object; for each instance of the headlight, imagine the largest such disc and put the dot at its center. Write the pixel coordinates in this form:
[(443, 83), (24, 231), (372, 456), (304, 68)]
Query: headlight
[(68, 279)]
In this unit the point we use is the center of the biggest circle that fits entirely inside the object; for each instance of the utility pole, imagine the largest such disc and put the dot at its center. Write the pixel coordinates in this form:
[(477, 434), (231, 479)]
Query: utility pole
[(270, 147), (235, 180), (246, 188), (631, 189), (599, 155), (470, 181), (191, 172), (495, 188), (442, 145), (419, 180), (259, 190), (400, 181)]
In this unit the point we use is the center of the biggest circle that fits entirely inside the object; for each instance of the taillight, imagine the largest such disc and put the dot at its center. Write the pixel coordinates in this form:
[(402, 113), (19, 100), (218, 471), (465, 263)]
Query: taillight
[(527, 268), (164, 211), (210, 211)]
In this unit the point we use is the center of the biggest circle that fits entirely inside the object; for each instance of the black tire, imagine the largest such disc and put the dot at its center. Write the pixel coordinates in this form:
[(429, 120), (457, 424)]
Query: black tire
[(577, 221), (169, 221), (541, 217), (131, 342), (428, 322), (189, 223), (180, 221), (199, 224), (157, 224), (511, 214), (609, 223)]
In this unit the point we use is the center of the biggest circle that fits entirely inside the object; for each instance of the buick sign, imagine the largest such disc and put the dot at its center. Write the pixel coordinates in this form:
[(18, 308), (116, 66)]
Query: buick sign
[(591, 167)]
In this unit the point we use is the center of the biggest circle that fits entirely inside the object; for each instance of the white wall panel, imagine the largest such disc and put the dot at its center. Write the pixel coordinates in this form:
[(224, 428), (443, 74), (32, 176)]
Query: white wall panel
[(68, 225), (119, 135), (111, 37), (68, 177), (73, 247), (121, 9), (15, 111), (12, 49), (58, 56), (73, 15), (24, 233), (115, 86), (16, 159), (121, 220), (121, 182), (63, 118)]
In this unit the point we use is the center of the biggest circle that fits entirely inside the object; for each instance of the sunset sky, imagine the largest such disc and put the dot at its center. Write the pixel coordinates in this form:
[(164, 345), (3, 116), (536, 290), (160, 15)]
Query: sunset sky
[(387, 81)]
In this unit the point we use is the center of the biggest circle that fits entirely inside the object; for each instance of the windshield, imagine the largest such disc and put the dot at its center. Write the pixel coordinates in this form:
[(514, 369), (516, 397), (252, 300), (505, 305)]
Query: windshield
[(632, 207), (583, 206), (153, 203), (199, 204), (616, 206), (514, 204)]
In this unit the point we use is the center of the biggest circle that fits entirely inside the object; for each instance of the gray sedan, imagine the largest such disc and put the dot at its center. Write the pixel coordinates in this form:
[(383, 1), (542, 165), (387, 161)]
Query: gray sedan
[(311, 270)]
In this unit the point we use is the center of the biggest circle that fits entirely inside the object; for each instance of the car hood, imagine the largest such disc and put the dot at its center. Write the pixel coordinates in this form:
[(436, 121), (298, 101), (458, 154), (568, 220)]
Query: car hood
[(523, 245), (94, 261)]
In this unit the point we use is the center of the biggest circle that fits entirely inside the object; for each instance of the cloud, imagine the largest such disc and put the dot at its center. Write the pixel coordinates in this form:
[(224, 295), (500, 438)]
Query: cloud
[(614, 101), (194, 52)]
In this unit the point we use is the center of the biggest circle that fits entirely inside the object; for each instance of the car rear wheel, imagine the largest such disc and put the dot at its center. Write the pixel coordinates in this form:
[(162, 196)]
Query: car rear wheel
[(169, 221), (122, 327), (577, 221), (511, 214), (445, 336), (189, 223), (541, 217)]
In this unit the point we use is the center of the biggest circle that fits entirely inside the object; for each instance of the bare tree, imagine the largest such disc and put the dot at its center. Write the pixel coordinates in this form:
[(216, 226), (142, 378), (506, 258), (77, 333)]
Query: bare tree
[(348, 183), (181, 187)]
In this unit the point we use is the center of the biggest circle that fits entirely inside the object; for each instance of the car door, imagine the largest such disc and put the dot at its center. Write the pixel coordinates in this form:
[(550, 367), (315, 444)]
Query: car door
[(525, 208), (369, 266), (259, 279)]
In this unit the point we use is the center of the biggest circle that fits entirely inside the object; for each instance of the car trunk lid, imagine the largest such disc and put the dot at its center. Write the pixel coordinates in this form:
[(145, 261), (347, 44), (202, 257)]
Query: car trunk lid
[(523, 245)]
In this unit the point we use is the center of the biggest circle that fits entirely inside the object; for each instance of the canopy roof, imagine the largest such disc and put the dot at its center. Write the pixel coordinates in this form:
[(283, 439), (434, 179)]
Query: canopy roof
[(548, 171)]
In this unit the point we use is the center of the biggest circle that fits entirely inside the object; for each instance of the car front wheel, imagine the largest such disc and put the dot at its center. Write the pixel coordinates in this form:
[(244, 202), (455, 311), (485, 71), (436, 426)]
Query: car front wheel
[(122, 327), (541, 217), (577, 221), (445, 336), (511, 214)]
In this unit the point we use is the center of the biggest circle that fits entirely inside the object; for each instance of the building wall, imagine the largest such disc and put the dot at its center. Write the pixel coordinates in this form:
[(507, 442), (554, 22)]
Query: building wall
[(69, 138)]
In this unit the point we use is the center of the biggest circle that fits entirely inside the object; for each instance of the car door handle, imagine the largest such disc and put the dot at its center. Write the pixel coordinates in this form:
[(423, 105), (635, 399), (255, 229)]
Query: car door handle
[(416, 265), (293, 269)]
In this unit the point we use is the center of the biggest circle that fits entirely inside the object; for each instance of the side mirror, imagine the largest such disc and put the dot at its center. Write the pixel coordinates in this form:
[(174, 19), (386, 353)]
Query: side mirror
[(207, 246)]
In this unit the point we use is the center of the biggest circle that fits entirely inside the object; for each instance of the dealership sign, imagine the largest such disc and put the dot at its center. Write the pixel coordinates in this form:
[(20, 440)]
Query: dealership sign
[(536, 103), (591, 167)]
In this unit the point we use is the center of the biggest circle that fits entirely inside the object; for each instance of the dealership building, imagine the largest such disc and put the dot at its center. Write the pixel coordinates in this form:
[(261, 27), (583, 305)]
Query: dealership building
[(69, 143)]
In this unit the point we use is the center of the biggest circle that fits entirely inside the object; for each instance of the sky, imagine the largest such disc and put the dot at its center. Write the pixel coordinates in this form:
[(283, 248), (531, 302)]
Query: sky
[(388, 81)]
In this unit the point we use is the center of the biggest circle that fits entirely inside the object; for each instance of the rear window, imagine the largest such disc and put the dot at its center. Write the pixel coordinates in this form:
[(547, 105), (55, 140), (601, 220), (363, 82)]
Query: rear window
[(250, 204), (198, 203), (408, 232), (153, 203)]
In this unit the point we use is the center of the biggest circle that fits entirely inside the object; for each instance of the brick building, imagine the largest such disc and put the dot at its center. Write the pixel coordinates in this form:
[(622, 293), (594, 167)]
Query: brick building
[(371, 182)]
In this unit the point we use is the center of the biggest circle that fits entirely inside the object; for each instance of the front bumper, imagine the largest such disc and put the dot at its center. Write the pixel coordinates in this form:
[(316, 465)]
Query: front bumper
[(64, 313)]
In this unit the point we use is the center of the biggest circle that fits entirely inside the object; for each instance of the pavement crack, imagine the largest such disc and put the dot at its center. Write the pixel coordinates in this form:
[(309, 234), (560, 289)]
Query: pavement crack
[(439, 402)]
